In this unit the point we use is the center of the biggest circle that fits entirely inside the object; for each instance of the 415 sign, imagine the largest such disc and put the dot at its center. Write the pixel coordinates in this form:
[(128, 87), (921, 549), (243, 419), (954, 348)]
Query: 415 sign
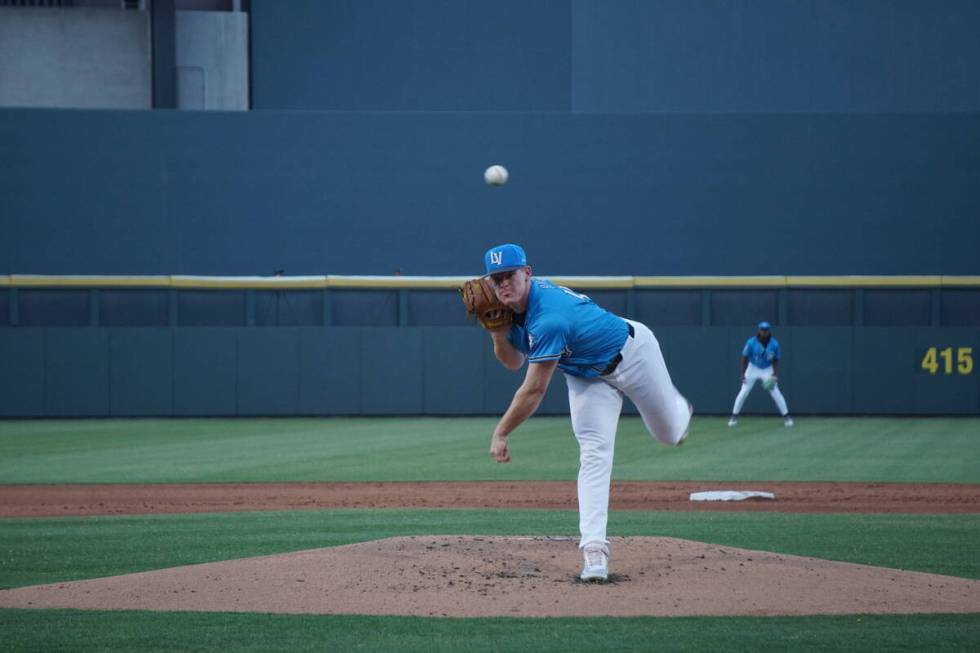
[(948, 361)]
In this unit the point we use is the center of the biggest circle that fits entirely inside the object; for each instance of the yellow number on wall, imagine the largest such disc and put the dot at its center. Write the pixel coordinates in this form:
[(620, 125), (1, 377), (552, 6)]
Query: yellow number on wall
[(947, 355), (964, 360)]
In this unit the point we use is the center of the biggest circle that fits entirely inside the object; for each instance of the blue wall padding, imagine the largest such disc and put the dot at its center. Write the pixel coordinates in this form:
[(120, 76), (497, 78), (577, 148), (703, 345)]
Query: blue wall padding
[(374, 193), (205, 371), (669, 307), (268, 377), (294, 308), (445, 352), (364, 307), (392, 376), (897, 307), (946, 307), (883, 381), (447, 371), (141, 371), (76, 372), (331, 371), (823, 307), (23, 372), (954, 393), (54, 307), (206, 308), (959, 308), (731, 307), (132, 308)]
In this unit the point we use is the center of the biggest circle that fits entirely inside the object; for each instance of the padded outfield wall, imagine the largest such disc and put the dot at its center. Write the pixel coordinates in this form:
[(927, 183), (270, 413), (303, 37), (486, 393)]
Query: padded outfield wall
[(654, 137), (266, 348), (59, 372)]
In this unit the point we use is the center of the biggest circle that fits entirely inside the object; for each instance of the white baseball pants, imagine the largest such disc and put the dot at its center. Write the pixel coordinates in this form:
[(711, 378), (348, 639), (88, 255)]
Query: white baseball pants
[(595, 406), (753, 374)]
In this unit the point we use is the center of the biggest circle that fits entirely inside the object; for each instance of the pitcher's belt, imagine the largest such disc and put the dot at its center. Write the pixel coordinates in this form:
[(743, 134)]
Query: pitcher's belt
[(614, 363)]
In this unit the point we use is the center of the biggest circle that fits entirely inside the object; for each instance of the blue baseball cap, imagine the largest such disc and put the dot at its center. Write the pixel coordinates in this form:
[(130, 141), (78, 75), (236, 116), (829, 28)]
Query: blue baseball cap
[(503, 258), (765, 325)]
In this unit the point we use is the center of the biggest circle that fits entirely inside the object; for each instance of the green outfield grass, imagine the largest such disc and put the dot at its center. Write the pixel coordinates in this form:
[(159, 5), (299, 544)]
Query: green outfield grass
[(82, 631), (373, 449), (275, 450)]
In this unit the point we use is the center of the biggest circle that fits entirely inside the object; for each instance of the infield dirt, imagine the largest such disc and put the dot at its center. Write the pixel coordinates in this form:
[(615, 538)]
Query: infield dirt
[(116, 499), (457, 576)]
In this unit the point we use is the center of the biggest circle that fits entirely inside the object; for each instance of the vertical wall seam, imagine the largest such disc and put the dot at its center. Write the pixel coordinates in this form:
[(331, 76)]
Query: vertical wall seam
[(14, 303), (238, 349), (44, 373), (173, 371), (108, 370)]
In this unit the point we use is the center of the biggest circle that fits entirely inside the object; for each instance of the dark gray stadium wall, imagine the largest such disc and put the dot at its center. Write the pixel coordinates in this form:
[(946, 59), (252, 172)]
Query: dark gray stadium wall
[(625, 56), (56, 372), (775, 56), (106, 192), (644, 137), (396, 55)]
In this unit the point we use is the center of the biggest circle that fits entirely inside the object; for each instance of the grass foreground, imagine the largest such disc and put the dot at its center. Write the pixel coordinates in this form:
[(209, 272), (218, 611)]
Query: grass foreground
[(74, 631), (933, 450), (44, 550)]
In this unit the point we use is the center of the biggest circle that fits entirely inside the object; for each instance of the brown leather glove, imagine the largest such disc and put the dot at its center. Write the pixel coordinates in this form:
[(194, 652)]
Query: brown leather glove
[(481, 301)]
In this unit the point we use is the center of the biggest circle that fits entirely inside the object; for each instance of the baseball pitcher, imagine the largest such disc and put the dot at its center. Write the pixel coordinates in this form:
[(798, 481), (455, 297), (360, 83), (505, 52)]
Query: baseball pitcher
[(603, 357)]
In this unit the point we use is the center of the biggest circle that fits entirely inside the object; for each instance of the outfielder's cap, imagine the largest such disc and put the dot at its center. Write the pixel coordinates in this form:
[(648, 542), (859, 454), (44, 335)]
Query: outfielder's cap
[(765, 325), (504, 257)]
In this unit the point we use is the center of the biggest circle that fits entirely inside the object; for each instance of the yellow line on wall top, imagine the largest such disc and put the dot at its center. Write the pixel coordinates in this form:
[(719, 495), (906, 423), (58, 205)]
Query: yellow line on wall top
[(449, 282)]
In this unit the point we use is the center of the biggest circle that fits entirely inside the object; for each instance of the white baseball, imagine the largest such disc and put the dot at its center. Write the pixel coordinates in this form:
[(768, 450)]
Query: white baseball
[(495, 175)]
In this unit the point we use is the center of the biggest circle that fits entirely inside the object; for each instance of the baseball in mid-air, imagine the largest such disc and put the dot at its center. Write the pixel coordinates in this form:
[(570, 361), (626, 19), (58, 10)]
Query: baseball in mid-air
[(495, 175)]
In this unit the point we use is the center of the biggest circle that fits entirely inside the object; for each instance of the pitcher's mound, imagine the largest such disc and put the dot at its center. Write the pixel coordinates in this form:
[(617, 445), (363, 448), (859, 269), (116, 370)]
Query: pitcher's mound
[(459, 576)]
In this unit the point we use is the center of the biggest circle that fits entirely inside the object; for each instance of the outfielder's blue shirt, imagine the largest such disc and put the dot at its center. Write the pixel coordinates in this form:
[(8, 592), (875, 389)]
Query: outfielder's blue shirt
[(568, 327), (759, 355)]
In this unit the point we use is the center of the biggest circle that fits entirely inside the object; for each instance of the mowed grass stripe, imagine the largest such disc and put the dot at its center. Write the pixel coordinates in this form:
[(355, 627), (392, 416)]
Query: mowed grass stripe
[(940, 450), (77, 631), (37, 551)]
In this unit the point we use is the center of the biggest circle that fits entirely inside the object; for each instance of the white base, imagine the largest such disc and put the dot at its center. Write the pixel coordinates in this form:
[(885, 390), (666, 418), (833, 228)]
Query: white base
[(730, 495)]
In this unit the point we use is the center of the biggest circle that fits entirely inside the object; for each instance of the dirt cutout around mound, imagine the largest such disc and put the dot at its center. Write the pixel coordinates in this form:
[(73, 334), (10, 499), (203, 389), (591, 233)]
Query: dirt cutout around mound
[(457, 576), (124, 499)]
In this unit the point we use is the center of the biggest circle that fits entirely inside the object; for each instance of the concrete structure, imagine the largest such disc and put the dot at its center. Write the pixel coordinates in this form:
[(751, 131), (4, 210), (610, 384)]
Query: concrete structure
[(77, 58), (101, 58), (212, 60)]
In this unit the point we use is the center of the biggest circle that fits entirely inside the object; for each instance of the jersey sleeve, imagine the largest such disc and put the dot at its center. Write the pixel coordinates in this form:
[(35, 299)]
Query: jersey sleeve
[(549, 340), (775, 349), (747, 349)]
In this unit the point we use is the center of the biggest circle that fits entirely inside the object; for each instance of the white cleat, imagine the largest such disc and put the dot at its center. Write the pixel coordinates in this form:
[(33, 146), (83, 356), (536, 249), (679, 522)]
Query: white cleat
[(732, 421), (596, 569), (788, 421)]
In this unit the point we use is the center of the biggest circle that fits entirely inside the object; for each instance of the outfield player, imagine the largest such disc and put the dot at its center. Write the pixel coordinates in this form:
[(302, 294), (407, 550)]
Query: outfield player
[(760, 362), (603, 357)]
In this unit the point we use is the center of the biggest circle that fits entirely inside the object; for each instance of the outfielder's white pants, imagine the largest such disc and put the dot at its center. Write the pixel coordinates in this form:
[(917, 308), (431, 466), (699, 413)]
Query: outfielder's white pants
[(595, 405), (753, 374)]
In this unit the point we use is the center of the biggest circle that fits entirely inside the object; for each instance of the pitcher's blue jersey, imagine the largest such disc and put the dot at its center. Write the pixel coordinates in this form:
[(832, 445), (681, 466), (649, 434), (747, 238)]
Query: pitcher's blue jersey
[(568, 327), (759, 355)]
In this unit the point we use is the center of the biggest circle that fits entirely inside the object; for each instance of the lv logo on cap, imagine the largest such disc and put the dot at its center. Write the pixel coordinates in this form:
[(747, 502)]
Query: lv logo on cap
[(496, 257)]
